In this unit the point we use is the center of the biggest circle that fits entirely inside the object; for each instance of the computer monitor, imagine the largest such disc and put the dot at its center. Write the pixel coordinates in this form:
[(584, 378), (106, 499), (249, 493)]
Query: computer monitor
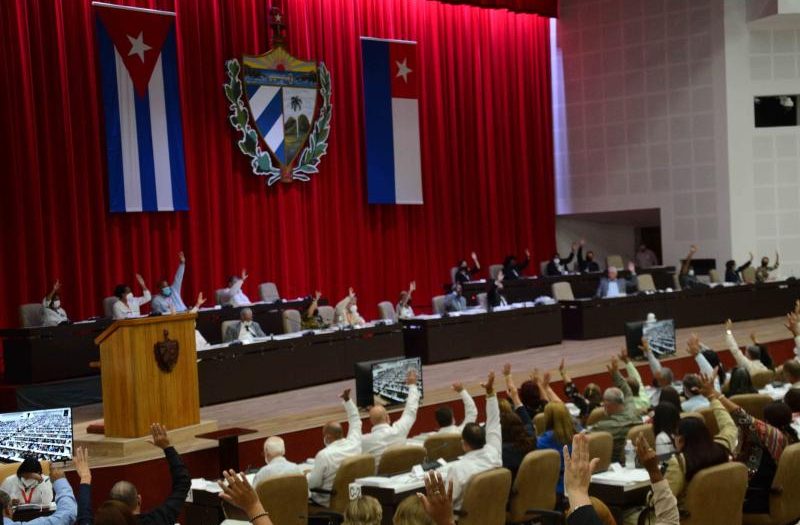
[(383, 382), (42, 434), (659, 334)]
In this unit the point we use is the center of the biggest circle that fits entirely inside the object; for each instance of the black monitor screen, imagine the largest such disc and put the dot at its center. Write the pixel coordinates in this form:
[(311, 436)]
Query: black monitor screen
[(659, 334), (384, 382), (42, 434)]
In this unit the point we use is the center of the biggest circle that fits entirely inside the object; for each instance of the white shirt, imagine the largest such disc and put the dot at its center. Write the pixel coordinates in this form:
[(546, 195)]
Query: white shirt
[(327, 461), (132, 309), (384, 435), (695, 403), (613, 289), (244, 332), (664, 446), (41, 494), (470, 415), (404, 312), (477, 461), (52, 317), (752, 366), (279, 466), (199, 340), (234, 295)]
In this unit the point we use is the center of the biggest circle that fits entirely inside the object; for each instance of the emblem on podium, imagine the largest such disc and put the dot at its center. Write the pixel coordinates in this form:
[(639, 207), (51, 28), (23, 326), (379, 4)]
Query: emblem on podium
[(167, 352)]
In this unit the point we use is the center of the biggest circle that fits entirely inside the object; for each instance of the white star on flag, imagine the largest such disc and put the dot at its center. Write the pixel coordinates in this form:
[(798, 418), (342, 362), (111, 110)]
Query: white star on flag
[(402, 69), (138, 47)]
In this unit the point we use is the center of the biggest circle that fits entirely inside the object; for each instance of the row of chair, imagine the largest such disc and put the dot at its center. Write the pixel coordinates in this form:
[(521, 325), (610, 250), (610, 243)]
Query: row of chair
[(612, 260), (562, 290)]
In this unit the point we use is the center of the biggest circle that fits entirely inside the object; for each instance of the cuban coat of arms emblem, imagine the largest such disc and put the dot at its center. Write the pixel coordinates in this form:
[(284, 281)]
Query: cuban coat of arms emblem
[(281, 106)]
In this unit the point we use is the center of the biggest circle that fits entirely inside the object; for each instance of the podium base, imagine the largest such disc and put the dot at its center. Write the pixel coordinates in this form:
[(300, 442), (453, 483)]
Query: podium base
[(100, 445)]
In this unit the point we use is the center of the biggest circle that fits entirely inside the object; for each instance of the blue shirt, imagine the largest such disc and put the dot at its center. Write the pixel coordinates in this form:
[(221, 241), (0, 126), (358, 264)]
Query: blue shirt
[(161, 304), (66, 511), (548, 440), (613, 289), (695, 403)]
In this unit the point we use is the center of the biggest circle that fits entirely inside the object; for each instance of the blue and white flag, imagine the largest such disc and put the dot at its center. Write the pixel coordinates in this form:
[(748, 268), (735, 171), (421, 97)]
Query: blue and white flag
[(144, 133)]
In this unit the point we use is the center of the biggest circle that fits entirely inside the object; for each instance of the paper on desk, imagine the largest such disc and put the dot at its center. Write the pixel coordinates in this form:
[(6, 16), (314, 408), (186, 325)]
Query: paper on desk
[(621, 478)]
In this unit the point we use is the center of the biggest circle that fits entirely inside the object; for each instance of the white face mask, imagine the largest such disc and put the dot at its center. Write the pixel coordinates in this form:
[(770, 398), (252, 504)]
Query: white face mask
[(129, 297), (28, 483), (556, 260), (691, 272), (353, 309), (56, 304)]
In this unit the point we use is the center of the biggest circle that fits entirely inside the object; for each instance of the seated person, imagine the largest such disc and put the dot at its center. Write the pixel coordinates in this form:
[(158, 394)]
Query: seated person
[(752, 362), (558, 265), (276, 462), (512, 269), (464, 273), (645, 257), (587, 265), (337, 449), (695, 400), (311, 319), (763, 271), (791, 372), (245, 329), (495, 296), (347, 311), (444, 414), (129, 306), (233, 294), (612, 286), (516, 425), (168, 299), (403, 308), (620, 418), (29, 485), (168, 512), (633, 385), (65, 503), (734, 274), (483, 448), (686, 277), (455, 301), (384, 433), (52, 313)]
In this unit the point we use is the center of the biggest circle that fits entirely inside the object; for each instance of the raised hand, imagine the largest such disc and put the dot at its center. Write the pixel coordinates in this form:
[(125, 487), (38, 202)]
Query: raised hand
[(623, 355), (754, 338), (562, 367), (413, 286), (438, 499), (707, 384), (411, 377), (245, 275), (181, 257), (535, 377), (574, 246), (751, 256), (81, 461), (693, 345), (797, 307), (350, 292), (458, 387), (578, 468), (645, 346), (546, 379), (140, 280), (792, 320), (693, 248), (648, 459), (237, 491), (345, 395), (527, 253), (488, 386), (57, 285), (56, 473), (507, 369), (160, 438), (631, 267), (613, 365), (728, 325), (200, 300), (474, 256)]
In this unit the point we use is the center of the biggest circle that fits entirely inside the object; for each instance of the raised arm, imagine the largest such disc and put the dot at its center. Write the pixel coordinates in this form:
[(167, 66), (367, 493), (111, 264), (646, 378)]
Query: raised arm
[(619, 381), (177, 281), (733, 346), (406, 421), (353, 418), (314, 303), (652, 360), (81, 462), (728, 434), (169, 511), (475, 260), (145, 298), (633, 372), (470, 409), (49, 297), (793, 325), (494, 438), (688, 261)]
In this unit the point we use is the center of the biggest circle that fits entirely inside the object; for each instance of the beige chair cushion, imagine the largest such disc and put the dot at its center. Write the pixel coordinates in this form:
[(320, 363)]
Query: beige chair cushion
[(595, 415), (533, 486), (108, 306), (438, 304), (615, 261), (753, 404), (646, 283), (494, 269), (445, 446), (386, 311), (601, 446), (562, 291), (401, 458), (749, 275), (644, 430), (715, 276), (30, 315), (285, 498), (327, 313), (784, 503), (728, 484), (351, 469), (485, 498), (268, 292), (292, 321), (761, 378), (220, 296)]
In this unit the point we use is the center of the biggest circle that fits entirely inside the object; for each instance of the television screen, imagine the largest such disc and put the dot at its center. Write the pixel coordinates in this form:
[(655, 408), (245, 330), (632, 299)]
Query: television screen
[(659, 334), (383, 382), (43, 434)]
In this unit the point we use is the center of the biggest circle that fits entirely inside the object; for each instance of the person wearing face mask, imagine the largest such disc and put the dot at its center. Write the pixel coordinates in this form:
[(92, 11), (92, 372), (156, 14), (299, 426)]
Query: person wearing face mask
[(245, 330), (347, 311), (558, 265), (168, 299), (686, 277), (455, 301), (338, 447), (233, 294), (495, 295), (128, 305), (52, 313), (588, 264), (464, 272), (763, 271), (733, 274), (403, 309), (29, 485), (512, 269), (645, 257)]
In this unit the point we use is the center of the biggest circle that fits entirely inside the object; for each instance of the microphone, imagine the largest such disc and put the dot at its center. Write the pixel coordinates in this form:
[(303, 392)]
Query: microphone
[(427, 463)]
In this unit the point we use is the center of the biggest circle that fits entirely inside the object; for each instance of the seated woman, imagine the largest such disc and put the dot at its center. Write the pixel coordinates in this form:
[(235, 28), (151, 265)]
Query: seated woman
[(347, 311), (739, 382), (311, 319), (559, 430), (403, 308), (52, 313), (495, 296), (591, 398), (516, 427), (464, 272), (129, 305), (760, 448), (665, 425), (733, 274), (28, 485)]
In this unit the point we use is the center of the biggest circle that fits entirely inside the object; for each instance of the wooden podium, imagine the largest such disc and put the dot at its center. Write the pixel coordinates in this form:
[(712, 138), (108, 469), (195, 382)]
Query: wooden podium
[(144, 381)]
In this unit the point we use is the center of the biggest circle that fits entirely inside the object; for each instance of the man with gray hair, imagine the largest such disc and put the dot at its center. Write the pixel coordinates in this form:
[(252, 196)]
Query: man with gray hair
[(612, 286), (662, 376), (277, 464), (245, 329), (167, 513), (620, 418)]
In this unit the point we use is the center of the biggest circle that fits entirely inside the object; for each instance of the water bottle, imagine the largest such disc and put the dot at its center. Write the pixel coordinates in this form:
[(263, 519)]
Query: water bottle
[(630, 455)]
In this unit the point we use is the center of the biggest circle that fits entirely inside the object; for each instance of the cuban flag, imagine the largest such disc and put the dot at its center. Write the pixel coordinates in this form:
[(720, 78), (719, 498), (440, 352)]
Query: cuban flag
[(144, 134), (391, 110)]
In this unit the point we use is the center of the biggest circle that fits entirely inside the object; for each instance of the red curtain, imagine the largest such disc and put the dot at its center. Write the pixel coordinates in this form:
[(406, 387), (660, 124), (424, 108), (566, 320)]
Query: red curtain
[(485, 115), (538, 7)]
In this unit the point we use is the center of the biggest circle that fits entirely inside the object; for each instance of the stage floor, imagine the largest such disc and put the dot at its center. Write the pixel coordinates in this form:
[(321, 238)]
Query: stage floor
[(312, 407)]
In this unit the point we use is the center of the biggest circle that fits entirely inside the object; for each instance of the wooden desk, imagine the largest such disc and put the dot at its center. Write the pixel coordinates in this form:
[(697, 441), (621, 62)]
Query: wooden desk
[(619, 498), (440, 339)]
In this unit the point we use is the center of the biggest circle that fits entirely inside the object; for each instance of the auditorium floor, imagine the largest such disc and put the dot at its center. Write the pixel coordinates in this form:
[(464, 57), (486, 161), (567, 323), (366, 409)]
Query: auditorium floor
[(311, 407)]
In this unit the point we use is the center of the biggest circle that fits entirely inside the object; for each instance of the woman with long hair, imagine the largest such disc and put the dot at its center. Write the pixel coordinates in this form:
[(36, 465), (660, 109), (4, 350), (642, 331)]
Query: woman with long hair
[(516, 427), (560, 428), (739, 382), (666, 417)]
